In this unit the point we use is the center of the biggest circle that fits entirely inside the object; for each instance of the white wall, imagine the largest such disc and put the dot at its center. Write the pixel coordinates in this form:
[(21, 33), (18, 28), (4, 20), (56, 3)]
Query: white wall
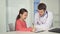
[(9, 10), (14, 7), (2, 15), (53, 5)]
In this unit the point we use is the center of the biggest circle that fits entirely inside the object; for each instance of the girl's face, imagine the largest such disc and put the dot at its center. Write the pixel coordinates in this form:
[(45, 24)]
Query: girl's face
[(24, 15)]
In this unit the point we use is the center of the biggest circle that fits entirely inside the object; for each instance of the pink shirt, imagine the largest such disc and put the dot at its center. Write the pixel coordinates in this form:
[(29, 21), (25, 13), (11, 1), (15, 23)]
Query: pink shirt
[(21, 26)]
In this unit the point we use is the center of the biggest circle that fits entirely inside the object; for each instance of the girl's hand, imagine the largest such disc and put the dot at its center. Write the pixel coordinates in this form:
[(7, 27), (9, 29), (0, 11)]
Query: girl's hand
[(33, 30)]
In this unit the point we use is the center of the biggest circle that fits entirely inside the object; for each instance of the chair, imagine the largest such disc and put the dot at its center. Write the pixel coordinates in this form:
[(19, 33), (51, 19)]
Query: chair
[(11, 27)]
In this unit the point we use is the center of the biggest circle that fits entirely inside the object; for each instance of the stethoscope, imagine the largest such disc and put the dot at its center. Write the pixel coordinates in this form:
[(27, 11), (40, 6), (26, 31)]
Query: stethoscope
[(43, 16), (47, 14)]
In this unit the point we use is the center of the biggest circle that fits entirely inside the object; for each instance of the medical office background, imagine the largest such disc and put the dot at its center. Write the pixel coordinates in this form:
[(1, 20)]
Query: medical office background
[(9, 10)]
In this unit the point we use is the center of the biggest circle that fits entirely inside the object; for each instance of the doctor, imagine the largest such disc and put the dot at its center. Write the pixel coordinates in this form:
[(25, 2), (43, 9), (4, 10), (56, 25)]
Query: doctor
[(43, 18)]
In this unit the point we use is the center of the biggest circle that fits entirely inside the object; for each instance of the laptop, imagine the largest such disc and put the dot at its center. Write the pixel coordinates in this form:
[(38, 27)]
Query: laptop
[(56, 30)]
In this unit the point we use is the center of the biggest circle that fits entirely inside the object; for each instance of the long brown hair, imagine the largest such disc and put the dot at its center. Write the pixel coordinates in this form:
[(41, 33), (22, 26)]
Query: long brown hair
[(21, 11)]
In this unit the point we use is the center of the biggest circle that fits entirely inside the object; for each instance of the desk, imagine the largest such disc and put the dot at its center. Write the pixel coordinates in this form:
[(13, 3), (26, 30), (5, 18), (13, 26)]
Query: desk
[(18, 32)]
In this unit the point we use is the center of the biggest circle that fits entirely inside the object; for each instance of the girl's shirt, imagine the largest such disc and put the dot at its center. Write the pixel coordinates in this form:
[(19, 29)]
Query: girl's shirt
[(21, 26)]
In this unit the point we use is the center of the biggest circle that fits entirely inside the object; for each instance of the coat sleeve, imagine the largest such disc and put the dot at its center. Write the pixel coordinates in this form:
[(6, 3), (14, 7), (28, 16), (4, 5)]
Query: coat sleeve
[(36, 19), (19, 27)]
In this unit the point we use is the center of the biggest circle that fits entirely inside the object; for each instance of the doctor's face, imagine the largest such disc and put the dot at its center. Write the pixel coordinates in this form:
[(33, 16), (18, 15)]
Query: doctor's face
[(41, 12)]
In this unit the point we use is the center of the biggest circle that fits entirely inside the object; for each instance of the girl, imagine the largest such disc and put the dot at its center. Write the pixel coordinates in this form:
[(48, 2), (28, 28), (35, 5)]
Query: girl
[(20, 21)]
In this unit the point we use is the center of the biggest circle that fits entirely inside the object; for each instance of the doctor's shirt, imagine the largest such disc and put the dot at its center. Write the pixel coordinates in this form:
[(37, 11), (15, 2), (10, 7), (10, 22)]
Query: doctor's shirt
[(43, 22)]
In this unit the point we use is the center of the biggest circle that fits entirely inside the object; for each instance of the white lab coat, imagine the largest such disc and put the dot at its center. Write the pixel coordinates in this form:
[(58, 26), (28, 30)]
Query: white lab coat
[(44, 22)]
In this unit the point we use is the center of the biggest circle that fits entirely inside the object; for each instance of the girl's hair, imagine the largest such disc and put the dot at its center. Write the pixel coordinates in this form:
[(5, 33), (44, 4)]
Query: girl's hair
[(21, 11)]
